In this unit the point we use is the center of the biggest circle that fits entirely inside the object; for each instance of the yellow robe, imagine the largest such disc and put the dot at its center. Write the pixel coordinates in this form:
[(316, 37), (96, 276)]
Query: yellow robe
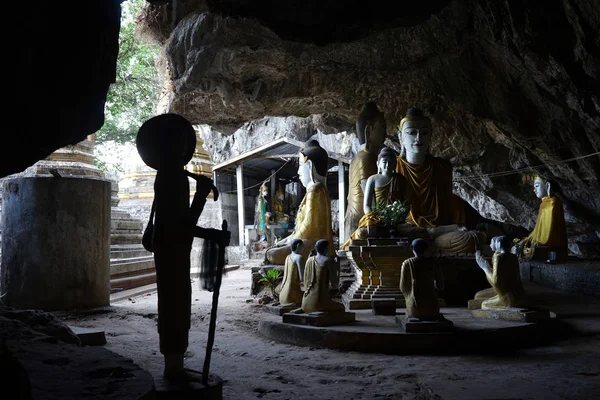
[(313, 222), (316, 283), (362, 166), (550, 229), (396, 189), (290, 287), (432, 201), (417, 280), (505, 279)]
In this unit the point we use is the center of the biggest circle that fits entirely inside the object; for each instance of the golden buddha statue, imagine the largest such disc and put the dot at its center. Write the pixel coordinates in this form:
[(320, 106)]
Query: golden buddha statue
[(292, 275), (419, 280), (313, 221), (371, 132), (435, 211), (279, 207), (550, 229), (262, 215), (382, 189), (503, 275), (319, 272)]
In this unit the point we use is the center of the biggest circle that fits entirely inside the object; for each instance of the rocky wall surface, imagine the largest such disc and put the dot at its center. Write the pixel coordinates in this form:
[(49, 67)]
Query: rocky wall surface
[(511, 87)]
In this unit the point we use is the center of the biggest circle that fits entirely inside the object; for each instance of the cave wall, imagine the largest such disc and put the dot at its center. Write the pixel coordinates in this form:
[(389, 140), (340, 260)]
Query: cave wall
[(511, 86)]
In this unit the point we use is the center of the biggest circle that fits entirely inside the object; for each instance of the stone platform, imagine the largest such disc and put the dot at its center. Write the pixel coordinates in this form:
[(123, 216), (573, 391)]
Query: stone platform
[(513, 314), (413, 325), (319, 318), (380, 334)]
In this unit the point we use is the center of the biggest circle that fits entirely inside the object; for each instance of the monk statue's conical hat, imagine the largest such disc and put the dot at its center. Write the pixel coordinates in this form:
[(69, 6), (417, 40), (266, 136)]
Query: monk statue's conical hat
[(166, 141)]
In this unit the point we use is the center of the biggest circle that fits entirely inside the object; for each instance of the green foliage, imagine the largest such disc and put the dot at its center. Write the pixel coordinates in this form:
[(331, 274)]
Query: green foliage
[(133, 97), (270, 279), (392, 214)]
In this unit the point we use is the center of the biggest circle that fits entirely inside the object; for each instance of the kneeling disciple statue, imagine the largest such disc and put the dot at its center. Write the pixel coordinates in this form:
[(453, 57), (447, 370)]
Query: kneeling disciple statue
[(292, 275), (503, 275), (419, 280), (319, 272)]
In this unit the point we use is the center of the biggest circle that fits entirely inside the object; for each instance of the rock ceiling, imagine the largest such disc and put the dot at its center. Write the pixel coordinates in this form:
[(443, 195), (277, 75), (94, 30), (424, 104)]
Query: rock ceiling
[(510, 85)]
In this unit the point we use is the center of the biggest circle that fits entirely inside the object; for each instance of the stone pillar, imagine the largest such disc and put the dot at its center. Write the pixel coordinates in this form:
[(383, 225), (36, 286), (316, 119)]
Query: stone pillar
[(239, 172), (341, 200), (56, 242)]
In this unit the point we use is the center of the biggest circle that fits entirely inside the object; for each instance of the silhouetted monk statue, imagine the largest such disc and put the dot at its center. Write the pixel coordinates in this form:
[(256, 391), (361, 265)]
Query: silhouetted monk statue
[(166, 143)]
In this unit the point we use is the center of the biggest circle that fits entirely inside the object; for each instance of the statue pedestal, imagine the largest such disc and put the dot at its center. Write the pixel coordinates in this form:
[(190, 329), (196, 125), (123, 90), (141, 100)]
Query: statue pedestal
[(513, 314), (192, 390), (280, 309), (319, 318), (377, 264), (414, 325)]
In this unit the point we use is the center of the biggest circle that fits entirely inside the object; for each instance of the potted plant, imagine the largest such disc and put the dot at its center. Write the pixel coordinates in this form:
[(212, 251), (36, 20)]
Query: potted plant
[(270, 279), (391, 215)]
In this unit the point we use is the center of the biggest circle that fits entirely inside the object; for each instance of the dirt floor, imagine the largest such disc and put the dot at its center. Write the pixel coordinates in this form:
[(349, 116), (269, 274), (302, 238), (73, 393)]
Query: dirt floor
[(254, 367)]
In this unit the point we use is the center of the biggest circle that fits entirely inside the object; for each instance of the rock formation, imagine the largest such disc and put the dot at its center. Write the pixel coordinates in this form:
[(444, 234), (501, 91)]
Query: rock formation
[(510, 86)]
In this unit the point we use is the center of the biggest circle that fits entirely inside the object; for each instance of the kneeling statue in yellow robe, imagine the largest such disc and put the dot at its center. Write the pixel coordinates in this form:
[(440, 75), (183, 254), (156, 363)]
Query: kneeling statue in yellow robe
[(503, 275), (319, 271), (293, 272), (419, 280)]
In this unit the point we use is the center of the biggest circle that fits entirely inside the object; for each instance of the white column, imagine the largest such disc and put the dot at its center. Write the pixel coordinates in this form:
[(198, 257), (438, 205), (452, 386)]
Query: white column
[(239, 172), (341, 199), (273, 185)]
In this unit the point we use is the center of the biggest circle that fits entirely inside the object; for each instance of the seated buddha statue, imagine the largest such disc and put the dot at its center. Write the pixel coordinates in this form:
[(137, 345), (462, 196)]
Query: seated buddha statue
[(503, 275), (382, 189), (319, 272), (435, 211), (420, 277), (261, 213), (550, 229), (371, 133), (279, 207), (293, 274), (313, 220)]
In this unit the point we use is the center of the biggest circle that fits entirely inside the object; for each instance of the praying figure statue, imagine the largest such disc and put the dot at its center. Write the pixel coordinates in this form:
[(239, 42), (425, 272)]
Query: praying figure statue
[(166, 143), (420, 279), (371, 132), (382, 189), (313, 221), (292, 275), (503, 275), (550, 228), (279, 207), (435, 212), (319, 272), (262, 214)]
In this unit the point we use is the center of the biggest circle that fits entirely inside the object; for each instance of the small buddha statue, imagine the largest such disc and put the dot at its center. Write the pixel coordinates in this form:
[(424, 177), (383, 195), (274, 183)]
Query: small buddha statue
[(419, 280), (293, 274), (383, 188), (503, 275), (319, 271), (279, 207), (550, 229), (313, 220), (435, 211), (371, 132), (261, 213)]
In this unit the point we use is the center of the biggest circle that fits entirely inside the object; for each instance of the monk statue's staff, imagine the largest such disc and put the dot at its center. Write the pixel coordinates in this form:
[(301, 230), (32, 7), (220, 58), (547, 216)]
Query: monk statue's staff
[(213, 312)]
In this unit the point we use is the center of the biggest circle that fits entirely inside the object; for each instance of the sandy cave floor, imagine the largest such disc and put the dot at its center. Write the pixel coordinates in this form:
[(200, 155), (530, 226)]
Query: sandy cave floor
[(255, 367)]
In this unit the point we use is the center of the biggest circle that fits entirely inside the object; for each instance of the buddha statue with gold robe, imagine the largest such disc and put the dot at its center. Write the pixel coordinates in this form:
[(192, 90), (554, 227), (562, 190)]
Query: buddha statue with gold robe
[(503, 275), (382, 189), (550, 228), (435, 211), (313, 220), (279, 207), (371, 132), (319, 273), (293, 273), (420, 279)]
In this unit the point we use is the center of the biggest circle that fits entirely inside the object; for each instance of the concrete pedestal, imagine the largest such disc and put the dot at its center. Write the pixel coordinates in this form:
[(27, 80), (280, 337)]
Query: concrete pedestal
[(56, 243)]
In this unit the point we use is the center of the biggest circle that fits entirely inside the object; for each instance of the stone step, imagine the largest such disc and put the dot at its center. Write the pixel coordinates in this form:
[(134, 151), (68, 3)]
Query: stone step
[(128, 251), (131, 282), (129, 224), (131, 266), (125, 238)]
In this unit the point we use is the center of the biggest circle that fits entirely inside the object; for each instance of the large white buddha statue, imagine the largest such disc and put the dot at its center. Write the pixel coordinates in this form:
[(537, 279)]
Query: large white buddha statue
[(434, 208)]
